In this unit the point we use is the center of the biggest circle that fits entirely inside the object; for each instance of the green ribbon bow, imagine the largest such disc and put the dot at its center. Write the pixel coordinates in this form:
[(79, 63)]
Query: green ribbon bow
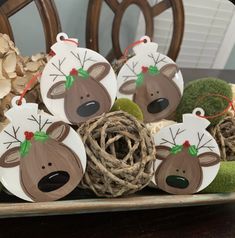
[(26, 144), (25, 147), (71, 78), (140, 79), (192, 150), (153, 70), (69, 81), (83, 73), (176, 149)]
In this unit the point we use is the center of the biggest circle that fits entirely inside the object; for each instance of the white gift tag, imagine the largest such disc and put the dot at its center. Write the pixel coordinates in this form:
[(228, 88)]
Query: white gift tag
[(41, 158), (152, 80), (188, 157), (77, 83)]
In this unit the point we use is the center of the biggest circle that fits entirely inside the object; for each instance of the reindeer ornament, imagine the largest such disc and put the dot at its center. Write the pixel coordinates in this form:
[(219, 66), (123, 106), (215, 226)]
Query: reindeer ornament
[(77, 83), (41, 158), (151, 80), (188, 157)]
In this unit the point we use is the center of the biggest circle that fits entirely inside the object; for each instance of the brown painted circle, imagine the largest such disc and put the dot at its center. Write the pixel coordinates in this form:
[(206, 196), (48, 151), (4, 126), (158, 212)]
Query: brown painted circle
[(146, 10)]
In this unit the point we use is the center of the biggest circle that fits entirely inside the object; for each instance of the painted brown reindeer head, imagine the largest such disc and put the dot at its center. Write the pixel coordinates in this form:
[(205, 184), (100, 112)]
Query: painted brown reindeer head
[(49, 169), (181, 169), (153, 90), (84, 96)]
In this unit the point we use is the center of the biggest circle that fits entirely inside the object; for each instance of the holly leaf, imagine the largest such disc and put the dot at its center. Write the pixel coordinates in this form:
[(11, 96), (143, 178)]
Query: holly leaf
[(41, 136), (153, 70), (140, 79), (176, 149), (83, 73), (25, 147), (69, 81), (193, 150)]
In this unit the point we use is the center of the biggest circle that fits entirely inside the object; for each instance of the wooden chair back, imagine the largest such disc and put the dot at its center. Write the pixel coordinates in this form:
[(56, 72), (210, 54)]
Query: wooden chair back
[(47, 11), (149, 12)]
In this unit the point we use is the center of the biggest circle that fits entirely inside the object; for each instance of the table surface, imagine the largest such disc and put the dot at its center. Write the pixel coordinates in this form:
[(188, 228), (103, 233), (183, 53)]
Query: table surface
[(202, 221)]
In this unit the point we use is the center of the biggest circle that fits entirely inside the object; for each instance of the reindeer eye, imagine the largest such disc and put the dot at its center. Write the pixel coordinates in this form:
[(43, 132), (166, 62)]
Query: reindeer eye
[(151, 94), (43, 167), (81, 97), (177, 170), (184, 171), (157, 92), (50, 164), (88, 95)]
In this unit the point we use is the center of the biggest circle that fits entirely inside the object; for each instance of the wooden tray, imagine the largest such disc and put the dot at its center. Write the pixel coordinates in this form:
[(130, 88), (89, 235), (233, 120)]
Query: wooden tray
[(146, 199)]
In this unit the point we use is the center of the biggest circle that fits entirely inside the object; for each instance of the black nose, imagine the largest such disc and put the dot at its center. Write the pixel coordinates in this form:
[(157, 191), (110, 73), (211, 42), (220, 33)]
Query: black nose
[(177, 181), (88, 108), (53, 181), (158, 105)]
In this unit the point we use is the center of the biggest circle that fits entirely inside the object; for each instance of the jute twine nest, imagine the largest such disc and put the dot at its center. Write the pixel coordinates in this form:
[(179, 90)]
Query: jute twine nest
[(120, 154), (224, 133)]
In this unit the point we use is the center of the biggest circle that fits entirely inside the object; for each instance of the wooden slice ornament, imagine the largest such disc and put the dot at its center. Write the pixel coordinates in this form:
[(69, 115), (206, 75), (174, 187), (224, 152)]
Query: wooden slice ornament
[(152, 80), (188, 157), (77, 83), (41, 158)]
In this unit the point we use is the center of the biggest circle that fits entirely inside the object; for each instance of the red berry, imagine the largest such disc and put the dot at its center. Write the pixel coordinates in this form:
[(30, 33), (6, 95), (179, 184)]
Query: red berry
[(144, 69), (28, 135), (74, 72), (186, 144)]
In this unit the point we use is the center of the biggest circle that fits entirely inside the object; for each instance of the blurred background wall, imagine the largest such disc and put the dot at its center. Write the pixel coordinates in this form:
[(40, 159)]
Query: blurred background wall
[(209, 39)]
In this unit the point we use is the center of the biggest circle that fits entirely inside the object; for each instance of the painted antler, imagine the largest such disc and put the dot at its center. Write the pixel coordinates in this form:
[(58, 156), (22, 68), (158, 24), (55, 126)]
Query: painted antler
[(85, 59), (14, 136), (157, 60), (205, 145), (173, 142), (132, 69), (39, 122), (58, 67)]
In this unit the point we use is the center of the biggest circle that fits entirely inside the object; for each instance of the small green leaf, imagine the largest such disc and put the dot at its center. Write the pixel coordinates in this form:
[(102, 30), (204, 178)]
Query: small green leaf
[(69, 81), (176, 149), (153, 70), (83, 73), (140, 79), (41, 136), (193, 150), (25, 147)]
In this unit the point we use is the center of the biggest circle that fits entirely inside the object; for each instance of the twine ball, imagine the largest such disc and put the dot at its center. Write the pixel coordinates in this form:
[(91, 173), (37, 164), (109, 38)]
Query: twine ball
[(224, 133), (120, 154)]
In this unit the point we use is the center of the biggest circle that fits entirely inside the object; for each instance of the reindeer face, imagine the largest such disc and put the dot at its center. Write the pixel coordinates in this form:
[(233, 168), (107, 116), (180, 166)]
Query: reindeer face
[(49, 169), (181, 171), (155, 92), (84, 96), (77, 83)]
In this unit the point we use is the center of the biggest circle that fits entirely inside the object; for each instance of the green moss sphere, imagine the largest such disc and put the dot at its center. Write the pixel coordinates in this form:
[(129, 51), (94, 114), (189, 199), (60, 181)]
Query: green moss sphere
[(196, 94), (225, 179), (126, 105)]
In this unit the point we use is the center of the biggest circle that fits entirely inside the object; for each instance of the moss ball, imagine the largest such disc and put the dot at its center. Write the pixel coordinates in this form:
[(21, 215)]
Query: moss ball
[(196, 94), (225, 179), (126, 105)]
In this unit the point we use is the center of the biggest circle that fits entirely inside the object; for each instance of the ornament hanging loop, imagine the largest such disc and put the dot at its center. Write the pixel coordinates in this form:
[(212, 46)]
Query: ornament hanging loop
[(144, 39), (31, 81), (230, 105)]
